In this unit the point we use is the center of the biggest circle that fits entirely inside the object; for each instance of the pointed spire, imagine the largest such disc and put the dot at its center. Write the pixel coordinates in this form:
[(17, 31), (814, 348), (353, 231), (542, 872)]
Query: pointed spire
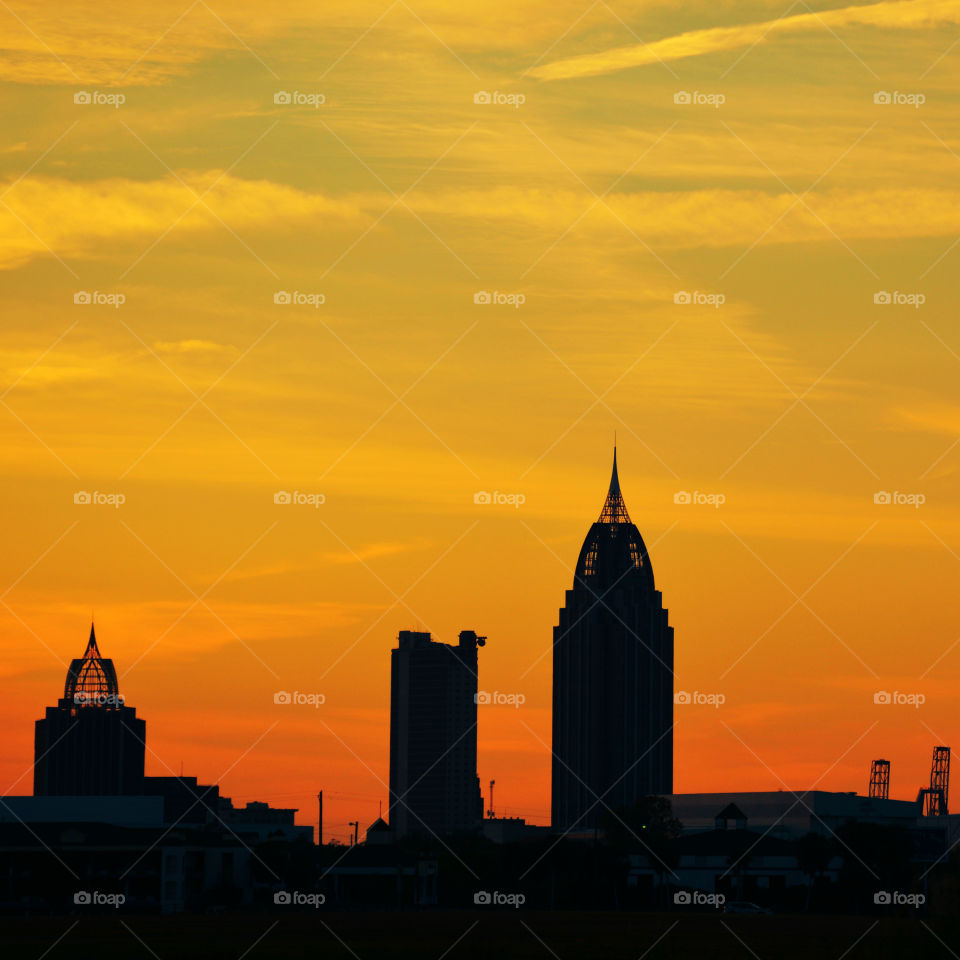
[(93, 651), (614, 509)]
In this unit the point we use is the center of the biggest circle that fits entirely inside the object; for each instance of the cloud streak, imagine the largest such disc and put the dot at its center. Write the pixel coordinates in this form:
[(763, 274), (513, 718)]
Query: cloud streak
[(97, 219), (47, 214), (894, 14)]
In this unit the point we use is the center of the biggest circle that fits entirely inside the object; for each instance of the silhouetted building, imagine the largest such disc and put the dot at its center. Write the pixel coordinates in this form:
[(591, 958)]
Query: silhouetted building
[(184, 800), (379, 833), (612, 677), (434, 788), (90, 743), (785, 814), (513, 830)]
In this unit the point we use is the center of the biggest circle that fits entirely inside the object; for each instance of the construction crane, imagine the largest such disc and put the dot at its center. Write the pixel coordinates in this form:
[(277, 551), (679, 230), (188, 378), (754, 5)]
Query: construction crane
[(880, 779), (934, 797)]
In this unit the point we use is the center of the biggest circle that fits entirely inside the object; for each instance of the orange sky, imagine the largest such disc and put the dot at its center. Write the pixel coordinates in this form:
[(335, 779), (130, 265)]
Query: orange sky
[(590, 197)]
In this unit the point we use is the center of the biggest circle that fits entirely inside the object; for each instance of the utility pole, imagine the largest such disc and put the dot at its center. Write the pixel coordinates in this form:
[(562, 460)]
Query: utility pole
[(320, 819), (490, 811), (356, 830)]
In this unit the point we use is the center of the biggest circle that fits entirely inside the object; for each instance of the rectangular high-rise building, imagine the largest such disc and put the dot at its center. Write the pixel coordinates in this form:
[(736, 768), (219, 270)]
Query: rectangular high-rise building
[(434, 788)]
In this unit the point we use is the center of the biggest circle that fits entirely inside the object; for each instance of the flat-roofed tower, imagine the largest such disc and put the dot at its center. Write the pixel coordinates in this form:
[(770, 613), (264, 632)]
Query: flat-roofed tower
[(434, 789)]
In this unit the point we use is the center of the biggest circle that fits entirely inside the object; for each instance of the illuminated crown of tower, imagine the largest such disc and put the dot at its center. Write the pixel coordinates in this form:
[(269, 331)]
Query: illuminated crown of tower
[(614, 509), (92, 679), (613, 553)]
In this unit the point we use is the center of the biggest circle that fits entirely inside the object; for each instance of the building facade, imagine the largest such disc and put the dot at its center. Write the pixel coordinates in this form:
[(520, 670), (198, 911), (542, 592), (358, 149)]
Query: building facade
[(90, 743), (434, 788), (612, 677)]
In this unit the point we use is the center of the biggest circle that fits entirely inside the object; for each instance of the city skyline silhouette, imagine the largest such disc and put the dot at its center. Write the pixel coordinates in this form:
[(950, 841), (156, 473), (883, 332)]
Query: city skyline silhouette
[(319, 325)]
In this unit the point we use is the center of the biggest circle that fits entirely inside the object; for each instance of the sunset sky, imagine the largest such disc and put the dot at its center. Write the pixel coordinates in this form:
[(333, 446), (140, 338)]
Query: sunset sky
[(806, 201)]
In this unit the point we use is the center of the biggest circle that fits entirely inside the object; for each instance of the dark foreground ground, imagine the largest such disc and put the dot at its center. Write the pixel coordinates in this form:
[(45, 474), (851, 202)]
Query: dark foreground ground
[(497, 934)]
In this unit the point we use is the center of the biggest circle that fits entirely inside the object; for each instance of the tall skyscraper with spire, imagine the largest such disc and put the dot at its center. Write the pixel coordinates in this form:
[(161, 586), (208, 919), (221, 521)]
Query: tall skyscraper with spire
[(612, 677), (90, 743)]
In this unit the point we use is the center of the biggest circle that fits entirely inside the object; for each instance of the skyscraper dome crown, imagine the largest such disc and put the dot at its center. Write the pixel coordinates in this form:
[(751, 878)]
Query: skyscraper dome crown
[(92, 679), (613, 553)]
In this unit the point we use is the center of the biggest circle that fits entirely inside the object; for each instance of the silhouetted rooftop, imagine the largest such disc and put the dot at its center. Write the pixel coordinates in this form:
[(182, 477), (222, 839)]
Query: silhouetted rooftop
[(92, 679), (613, 553)]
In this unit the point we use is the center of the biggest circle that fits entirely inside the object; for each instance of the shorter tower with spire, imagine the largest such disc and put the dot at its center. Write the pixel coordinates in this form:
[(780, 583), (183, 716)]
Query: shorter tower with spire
[(90, 743)]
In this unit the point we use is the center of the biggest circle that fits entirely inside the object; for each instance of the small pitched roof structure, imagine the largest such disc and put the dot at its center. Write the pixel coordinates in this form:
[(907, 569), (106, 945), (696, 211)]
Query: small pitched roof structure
[(731, 812)]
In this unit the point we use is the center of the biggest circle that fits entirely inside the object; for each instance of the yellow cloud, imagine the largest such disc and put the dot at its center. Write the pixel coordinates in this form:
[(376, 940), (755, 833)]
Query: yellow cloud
[(190, 347), (43, 214), (931, 418), (109, 43), (80, 219), (894, 14), (372, 551), (719, 218)]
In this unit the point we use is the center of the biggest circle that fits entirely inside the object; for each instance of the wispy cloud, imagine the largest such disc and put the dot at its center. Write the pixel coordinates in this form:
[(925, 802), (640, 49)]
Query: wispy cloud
[(81, 219), (372, 551), (191, 347), (71, 218), (895, 14), (936, 418)]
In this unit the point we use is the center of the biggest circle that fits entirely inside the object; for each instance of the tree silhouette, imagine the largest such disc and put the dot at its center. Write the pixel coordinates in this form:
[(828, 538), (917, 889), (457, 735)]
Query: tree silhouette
[(814, 853), (646, 827)]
